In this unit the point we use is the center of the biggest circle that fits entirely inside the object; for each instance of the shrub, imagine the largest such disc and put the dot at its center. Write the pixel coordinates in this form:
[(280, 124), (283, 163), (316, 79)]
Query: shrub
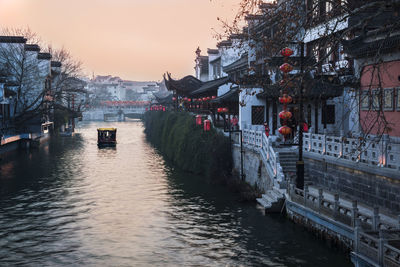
[(186, 145)]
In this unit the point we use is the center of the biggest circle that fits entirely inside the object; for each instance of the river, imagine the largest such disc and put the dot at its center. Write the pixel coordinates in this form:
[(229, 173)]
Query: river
[(71, 203)]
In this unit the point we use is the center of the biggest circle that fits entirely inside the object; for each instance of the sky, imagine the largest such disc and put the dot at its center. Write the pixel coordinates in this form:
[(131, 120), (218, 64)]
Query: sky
[(133, 39)]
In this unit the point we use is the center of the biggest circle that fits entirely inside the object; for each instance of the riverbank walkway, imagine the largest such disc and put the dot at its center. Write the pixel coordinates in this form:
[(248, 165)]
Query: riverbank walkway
[(373, 235)]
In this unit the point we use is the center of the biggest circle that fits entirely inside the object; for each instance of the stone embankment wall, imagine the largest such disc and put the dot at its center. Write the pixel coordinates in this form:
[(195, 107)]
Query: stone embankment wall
[(254, 169), (373, 186)]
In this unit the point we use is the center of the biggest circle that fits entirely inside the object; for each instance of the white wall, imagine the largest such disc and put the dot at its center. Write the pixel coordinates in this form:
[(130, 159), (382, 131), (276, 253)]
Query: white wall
[(248, 100)]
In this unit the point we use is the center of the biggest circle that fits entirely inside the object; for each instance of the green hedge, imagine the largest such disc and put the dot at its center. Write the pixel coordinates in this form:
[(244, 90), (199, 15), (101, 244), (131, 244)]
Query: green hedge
[(186, 145)]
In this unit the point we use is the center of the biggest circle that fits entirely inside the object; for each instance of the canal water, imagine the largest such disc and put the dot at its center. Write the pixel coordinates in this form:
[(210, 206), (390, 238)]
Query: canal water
[(71, 203)]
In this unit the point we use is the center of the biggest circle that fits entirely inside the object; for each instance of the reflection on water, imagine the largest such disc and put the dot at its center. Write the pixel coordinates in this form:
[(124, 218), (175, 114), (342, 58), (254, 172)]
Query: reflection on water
[(73, 203)]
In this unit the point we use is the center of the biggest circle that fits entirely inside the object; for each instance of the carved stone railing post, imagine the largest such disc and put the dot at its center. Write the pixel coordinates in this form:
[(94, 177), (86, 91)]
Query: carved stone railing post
[(320, 199), (336, 206), (341, 145), (291, 189), (375, 219), (276, 164), (384, 154), (381, 246), (354, 213), (356, 236), (305, 195), (398, 222)]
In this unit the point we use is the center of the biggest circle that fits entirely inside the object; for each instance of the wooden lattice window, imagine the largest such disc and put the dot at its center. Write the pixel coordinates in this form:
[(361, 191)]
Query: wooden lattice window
[(257, 115), (328, 115)]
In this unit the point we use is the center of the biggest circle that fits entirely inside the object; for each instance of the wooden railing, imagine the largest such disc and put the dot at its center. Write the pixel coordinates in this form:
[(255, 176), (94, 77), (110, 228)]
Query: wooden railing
[(382, 153)]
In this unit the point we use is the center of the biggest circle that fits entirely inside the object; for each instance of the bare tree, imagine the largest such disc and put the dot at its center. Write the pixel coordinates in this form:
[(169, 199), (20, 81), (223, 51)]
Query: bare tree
[(329, 24), (41, 86)]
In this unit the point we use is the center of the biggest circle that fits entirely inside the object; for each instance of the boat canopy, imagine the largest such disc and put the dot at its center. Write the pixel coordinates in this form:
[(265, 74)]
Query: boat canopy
[(107, 129)]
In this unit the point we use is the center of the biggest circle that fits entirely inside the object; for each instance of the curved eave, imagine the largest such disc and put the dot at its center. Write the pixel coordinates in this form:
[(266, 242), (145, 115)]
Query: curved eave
[(210, 86), (229, 97), (183, 86)]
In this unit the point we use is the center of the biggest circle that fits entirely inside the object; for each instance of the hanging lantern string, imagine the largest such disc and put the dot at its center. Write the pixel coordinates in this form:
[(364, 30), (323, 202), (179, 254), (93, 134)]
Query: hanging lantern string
[(285, 98)]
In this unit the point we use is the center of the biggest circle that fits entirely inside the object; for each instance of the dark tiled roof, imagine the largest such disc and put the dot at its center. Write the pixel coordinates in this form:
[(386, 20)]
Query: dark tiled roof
[(183, 86), (359, 48), (238, 64), (210, 86), (55, 64), (230, 96), (212, 51), (163, 97), (44, 56), (224, 43), (12, 39), (313, 88), (32, 47)]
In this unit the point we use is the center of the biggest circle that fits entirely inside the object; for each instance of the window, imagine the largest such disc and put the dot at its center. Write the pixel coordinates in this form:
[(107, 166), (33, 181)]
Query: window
[(376, 97), (365, 101), (257, 115), (398, 99), (328, 114), (388, 98)]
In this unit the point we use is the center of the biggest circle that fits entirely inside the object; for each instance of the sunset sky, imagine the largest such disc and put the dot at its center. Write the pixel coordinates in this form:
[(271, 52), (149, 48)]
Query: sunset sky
[(134, 39)]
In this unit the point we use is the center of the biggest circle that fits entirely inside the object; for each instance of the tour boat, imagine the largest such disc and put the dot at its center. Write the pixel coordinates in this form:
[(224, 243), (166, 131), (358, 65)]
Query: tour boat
[(106, 136)]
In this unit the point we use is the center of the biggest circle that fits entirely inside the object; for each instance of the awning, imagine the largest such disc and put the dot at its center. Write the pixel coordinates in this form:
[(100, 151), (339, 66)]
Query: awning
[(230, 96), (210, 86)]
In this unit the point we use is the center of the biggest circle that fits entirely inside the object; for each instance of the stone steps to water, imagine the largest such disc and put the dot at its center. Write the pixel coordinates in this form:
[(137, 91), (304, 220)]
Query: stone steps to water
[(272, 201)]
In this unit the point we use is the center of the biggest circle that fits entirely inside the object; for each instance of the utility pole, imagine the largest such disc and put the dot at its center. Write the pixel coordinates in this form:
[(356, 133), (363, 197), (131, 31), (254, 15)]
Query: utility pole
[(300, 162)]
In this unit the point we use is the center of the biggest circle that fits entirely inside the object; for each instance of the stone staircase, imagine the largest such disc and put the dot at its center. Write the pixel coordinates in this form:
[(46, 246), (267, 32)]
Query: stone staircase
[(272, 201), (288, 158)]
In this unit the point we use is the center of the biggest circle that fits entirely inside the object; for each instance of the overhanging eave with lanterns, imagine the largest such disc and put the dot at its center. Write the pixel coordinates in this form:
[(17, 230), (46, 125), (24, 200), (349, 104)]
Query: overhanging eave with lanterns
[(210, 87)]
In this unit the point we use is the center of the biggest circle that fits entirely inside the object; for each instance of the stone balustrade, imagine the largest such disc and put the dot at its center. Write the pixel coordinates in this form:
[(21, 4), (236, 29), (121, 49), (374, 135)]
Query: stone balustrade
[(382, 247), (255, 137), (340, 210), (382, 153)]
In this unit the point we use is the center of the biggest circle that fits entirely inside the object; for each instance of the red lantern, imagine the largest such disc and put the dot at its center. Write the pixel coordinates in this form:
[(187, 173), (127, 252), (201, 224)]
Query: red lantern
[(213, 97), (225, 110), (286, 67), (207, 125), (147, 109), (185, 99), (204, 98), (163, 109), (174, 98), (285, 130), (305, 127), (286, 52), (285, 99), (208, 98), (198, 119), (285, 115), (189, 99)]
